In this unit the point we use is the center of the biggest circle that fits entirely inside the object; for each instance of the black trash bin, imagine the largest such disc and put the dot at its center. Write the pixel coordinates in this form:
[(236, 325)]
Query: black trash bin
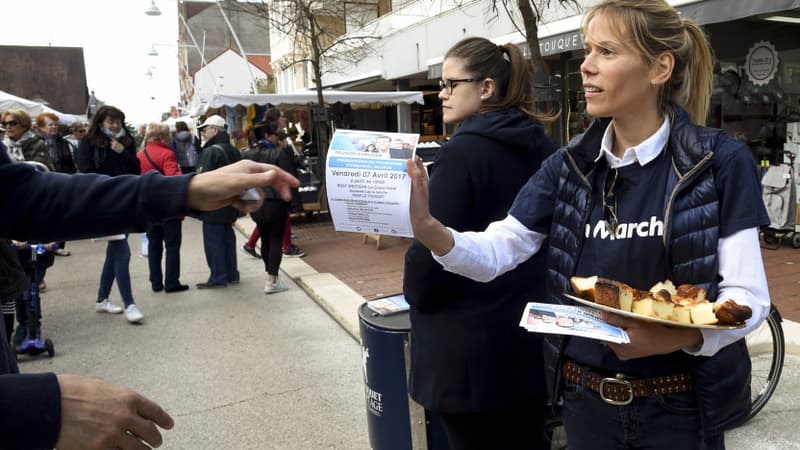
[(394, 421)]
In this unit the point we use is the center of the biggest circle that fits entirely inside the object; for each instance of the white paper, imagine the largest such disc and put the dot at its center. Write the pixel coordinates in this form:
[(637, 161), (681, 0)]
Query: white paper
[(368, 187), (113, 237), (570, 320)]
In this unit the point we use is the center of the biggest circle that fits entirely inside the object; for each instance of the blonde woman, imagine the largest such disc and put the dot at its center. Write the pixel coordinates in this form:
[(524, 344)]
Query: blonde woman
[(645, 194)]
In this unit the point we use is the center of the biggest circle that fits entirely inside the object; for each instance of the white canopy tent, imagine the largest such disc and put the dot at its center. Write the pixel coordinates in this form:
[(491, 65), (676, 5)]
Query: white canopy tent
[(354, 98), (10, 101)]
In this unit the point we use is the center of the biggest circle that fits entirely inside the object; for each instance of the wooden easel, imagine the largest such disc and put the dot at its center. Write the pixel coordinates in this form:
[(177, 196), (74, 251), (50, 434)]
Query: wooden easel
[(376, 237)]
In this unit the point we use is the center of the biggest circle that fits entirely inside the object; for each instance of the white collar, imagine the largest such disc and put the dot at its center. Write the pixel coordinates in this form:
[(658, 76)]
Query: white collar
[(643, 153)]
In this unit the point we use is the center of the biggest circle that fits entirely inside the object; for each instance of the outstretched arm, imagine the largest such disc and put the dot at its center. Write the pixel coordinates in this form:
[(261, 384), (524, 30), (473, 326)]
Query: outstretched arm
[(213, 190), (87, 205)]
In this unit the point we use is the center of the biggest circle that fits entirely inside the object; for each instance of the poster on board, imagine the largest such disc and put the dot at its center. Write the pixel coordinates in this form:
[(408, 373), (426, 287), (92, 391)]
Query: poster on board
[(368, 187)]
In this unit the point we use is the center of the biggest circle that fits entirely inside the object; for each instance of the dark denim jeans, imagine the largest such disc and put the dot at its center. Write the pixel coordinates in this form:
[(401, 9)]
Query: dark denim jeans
[(219, 242), (667, 422), (116, 266), (159, 238)]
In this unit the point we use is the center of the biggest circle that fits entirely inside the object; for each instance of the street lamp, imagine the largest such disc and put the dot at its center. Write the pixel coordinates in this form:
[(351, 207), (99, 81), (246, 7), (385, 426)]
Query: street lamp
[(153, 9)]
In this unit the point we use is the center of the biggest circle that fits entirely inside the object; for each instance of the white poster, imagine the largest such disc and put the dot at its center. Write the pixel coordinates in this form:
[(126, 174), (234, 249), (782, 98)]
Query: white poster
[(368, 188)]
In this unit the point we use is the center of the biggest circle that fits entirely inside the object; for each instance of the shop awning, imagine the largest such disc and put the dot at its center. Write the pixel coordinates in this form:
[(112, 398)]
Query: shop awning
[(715, 11), (33, 108), (354, 98)]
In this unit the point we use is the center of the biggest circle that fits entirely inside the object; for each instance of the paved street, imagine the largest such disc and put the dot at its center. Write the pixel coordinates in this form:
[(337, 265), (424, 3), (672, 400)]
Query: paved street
[(241, 370), (237, 369)]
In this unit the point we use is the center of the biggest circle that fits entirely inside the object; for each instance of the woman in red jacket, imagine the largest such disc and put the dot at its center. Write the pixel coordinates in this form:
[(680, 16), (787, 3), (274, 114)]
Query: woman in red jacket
[(157, 155)]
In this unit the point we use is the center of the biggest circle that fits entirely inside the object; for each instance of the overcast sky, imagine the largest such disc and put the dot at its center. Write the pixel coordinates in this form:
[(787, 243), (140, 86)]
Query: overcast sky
[(116, 36)]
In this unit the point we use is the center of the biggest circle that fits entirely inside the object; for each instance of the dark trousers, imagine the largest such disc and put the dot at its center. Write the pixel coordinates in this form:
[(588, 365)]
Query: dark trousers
[(667, 422), (159, 238), (519, 427), (219, 243), (271, 244), (8, 320)]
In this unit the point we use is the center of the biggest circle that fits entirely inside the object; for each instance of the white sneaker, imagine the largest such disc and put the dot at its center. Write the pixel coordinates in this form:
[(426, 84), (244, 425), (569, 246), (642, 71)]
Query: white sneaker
[(274, 288), (133, 314), (107, 307)]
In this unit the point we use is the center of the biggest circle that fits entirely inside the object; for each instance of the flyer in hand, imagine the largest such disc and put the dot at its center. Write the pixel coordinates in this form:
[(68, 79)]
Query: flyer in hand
[(570, 320), (389, 305), (368, 189)]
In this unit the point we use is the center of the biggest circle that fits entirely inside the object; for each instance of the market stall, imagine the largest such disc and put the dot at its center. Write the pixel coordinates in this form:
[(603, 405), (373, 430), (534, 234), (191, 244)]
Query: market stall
[(10, 101)]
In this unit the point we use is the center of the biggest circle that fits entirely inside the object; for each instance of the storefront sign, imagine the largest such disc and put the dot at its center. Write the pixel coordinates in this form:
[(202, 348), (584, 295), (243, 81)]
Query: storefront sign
[(761, 63), (560, 43)]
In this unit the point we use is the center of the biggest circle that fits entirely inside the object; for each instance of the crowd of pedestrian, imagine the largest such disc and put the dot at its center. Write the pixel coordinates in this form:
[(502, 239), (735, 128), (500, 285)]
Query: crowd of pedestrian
[(501, 216), (108, 145)]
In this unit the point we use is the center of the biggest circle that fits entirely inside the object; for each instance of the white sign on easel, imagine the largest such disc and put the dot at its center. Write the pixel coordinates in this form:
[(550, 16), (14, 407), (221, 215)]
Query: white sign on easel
[(368, 187)]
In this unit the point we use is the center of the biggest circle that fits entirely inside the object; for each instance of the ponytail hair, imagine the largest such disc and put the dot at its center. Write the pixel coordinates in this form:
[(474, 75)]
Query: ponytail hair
[(507, 67), (656, 27)]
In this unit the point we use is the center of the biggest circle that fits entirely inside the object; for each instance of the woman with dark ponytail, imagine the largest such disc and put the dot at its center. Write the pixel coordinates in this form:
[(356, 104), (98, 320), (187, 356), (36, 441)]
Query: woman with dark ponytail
[(470, 361), (645, 194)]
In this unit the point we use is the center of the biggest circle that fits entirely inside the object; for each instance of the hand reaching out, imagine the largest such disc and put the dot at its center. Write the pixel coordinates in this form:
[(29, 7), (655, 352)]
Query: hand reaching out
[(96, 414), (221, 187)]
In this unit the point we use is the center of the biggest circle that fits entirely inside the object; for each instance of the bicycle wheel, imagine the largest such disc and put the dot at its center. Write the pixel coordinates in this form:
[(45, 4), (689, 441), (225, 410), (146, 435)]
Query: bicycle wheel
[(766, 347)]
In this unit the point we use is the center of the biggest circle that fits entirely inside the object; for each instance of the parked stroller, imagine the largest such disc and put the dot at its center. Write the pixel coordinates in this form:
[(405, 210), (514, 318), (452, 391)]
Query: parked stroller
[(779, 194)]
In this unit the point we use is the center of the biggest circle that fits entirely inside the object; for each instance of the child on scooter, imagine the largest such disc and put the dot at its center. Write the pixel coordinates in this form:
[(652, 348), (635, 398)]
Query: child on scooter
[(28, 304)]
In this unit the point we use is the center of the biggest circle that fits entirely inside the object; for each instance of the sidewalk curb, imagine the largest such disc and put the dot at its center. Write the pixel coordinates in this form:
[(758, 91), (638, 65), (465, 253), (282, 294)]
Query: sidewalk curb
[(331, 294), (342, 303), (791, 334)]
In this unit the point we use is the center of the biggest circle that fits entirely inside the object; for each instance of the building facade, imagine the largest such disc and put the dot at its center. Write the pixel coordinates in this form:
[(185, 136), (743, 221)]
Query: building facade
[(757, 62)]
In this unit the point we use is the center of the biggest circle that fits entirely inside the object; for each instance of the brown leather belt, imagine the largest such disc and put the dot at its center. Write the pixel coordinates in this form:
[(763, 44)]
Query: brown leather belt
[(621, 389)]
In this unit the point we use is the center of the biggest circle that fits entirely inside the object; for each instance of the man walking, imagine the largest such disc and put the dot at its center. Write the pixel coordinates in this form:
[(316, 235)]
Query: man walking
[(219, 240)]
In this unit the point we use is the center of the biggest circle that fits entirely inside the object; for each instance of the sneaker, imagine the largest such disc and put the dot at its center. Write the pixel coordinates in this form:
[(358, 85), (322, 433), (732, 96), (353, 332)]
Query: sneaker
[(107, 307), (250, 251), (42, 286), (274, 288), (133, 314), (294, 252), (62, 252)]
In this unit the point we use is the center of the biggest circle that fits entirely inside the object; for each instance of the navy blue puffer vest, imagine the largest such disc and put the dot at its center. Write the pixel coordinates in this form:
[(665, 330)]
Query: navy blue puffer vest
[(691, 224)]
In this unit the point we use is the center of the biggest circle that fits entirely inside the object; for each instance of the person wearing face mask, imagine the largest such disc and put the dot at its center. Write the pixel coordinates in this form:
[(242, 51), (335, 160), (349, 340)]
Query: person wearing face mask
[(109, 149)]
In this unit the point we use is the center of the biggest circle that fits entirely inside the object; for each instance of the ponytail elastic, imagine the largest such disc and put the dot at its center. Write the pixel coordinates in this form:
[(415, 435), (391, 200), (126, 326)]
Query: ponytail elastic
[(504, 53)]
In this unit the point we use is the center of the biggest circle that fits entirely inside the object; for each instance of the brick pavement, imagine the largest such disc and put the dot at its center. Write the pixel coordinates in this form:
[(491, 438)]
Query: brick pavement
[(375, 273), (370, 272)]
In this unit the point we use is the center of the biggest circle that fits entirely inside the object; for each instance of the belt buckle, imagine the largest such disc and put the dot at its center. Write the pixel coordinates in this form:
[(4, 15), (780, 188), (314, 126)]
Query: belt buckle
[(621, 381)]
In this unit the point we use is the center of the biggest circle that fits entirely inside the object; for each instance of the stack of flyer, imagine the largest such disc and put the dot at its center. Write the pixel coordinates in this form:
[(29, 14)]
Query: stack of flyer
[(387, 306), (570, 320)]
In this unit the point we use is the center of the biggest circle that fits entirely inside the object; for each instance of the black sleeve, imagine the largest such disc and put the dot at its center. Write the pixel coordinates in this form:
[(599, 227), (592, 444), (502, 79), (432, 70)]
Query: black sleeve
[(30, 410), (85, 155), (85, 205), (425, 282), (132, 165)]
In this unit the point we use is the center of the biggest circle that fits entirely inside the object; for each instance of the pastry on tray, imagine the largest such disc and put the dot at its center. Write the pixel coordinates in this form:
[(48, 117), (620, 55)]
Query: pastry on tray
[(683, 304)]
